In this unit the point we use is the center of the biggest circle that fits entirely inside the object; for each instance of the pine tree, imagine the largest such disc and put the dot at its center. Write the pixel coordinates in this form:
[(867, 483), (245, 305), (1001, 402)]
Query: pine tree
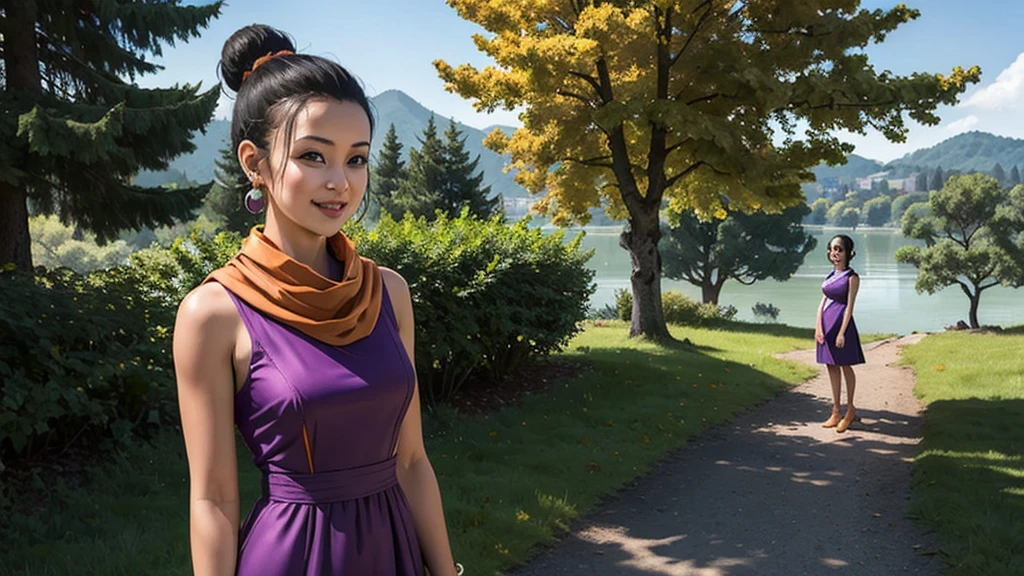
[(999, 174), (921, 183), (420, 191), (1014, 176), (465, 185), (388, 174), (938, 179), (226, 196), (75, 131)]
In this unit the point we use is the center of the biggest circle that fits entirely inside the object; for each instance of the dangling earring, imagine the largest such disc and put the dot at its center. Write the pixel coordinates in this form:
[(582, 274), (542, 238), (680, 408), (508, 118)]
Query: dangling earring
[(254, 200)]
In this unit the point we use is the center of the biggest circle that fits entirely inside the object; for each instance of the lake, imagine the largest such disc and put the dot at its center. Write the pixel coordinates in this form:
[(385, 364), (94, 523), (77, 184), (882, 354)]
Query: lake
[(887, 301)]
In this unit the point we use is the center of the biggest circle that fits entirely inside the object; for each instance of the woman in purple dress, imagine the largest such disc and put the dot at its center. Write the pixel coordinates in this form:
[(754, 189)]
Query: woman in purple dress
[(838, 344), (306, 347)]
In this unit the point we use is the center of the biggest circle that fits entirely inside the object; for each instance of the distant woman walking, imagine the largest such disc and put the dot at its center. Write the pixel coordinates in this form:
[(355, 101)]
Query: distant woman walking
[(835, 331)]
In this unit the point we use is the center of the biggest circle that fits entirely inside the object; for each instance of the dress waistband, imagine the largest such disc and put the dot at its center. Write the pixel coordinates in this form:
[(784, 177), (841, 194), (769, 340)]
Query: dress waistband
[(333, 486)]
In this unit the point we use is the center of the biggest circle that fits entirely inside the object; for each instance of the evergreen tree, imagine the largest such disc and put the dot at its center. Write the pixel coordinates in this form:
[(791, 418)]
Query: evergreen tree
[(1014, 177), (388, 173), (420, 190), (921, 183), (226, 197), (999, 174), (75, 133), (938, 179), (464, 186)]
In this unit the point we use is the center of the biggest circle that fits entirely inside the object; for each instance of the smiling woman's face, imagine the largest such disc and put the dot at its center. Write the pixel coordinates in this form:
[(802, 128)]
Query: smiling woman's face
[(325, 170)]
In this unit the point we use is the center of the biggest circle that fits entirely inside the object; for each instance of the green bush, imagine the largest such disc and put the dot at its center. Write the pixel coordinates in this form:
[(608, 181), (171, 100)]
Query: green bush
[(766, 312), (680, 308), (708, 311), (486, 295), (169, 273), (82, 359), (624, 304)]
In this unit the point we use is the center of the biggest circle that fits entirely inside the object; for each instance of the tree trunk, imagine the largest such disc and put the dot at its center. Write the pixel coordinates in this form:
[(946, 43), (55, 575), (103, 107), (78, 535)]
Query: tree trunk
[(975, 300), (641, 240), (21, 64), (710, 291), (15, 243)]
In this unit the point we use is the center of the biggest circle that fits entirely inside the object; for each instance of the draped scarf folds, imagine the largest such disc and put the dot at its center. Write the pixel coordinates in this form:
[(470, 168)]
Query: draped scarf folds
[(334, 312)]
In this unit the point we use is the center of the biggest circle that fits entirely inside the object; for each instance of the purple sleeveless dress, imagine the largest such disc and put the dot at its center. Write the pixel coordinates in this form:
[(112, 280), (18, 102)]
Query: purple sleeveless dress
[(322, 424), (836, 288)]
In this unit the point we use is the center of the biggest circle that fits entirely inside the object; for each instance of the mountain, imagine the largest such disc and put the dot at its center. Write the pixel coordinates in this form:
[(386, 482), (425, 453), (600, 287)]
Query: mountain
[(967, 152), (410, 118), (855, 167), (393, 106)]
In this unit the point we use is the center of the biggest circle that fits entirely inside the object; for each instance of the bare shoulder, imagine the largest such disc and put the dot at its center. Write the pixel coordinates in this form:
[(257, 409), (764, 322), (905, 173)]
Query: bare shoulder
[(398, 290), (207, 307)]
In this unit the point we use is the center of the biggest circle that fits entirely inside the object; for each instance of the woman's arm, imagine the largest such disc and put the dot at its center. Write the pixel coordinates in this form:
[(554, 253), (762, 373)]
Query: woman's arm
[(850, 298), (819, 329), (204, 337), (415, 474)]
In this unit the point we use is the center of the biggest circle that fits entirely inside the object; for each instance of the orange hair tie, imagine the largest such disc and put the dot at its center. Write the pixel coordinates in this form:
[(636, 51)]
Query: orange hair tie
[(263, 60)]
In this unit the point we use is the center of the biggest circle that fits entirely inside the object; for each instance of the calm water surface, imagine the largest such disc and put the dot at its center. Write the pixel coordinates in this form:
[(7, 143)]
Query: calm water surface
[(887, 301)]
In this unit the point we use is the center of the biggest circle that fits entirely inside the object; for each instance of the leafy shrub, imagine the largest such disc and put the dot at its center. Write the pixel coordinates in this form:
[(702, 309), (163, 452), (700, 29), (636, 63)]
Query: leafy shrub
[(708, 312), (680, 308), (486, 295), (677, 308), (169, 273), (624, 304), (766, 312), (82, 358)]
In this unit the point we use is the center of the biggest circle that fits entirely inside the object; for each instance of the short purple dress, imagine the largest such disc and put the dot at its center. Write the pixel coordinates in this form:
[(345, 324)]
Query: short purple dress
[(836, 288), (322, 424)]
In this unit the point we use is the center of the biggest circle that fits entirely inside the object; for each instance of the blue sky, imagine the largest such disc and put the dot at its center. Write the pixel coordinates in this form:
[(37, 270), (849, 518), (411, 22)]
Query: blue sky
[(391, 44)]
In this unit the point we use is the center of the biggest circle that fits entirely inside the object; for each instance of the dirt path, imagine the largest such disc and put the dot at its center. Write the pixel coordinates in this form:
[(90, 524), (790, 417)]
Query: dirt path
[(773, 493)]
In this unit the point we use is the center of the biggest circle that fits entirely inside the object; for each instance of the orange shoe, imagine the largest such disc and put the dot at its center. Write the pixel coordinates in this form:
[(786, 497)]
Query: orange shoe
[(832, 421), (846, 421)]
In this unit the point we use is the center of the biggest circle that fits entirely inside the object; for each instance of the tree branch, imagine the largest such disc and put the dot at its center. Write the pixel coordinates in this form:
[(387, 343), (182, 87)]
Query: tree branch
[(691, 168), (696, 29), (594, 82), (574, 96), (595, 161), (677, 145)]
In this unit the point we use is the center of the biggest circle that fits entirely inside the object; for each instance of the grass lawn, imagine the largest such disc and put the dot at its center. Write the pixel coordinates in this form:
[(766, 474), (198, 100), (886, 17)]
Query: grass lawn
[(510, 480), (969, 477)]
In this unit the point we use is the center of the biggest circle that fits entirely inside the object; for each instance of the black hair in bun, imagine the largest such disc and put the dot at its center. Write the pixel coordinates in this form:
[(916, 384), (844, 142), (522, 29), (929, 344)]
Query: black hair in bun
[(274, 93), (245, 46)]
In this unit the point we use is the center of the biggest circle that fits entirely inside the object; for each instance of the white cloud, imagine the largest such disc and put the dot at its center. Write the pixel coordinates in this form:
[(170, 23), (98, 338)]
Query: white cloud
[(1006, 91), (962, 125)]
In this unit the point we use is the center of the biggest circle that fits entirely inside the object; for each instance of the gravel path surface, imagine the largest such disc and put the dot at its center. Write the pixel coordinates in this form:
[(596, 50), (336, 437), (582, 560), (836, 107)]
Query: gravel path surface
[(772, 493)]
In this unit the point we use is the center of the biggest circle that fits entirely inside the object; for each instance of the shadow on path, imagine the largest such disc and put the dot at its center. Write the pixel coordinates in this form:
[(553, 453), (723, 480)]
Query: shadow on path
[(771, 493)]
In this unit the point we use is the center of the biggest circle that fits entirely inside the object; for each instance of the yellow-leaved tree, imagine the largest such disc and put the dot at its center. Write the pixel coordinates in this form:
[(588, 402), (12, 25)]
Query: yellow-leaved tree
[(638, 105)]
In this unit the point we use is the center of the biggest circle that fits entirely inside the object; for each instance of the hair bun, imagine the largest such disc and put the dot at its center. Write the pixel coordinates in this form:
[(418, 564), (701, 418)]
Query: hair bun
[(245, 46)]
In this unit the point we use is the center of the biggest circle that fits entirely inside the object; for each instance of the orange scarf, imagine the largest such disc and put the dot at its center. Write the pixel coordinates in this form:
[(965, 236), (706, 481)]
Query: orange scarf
[(337, 313)]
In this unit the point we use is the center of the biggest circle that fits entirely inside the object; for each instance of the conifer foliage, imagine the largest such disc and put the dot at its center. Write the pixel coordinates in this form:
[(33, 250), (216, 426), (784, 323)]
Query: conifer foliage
[(226, 195), (386, 177), (75, 129), (441, 176)]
